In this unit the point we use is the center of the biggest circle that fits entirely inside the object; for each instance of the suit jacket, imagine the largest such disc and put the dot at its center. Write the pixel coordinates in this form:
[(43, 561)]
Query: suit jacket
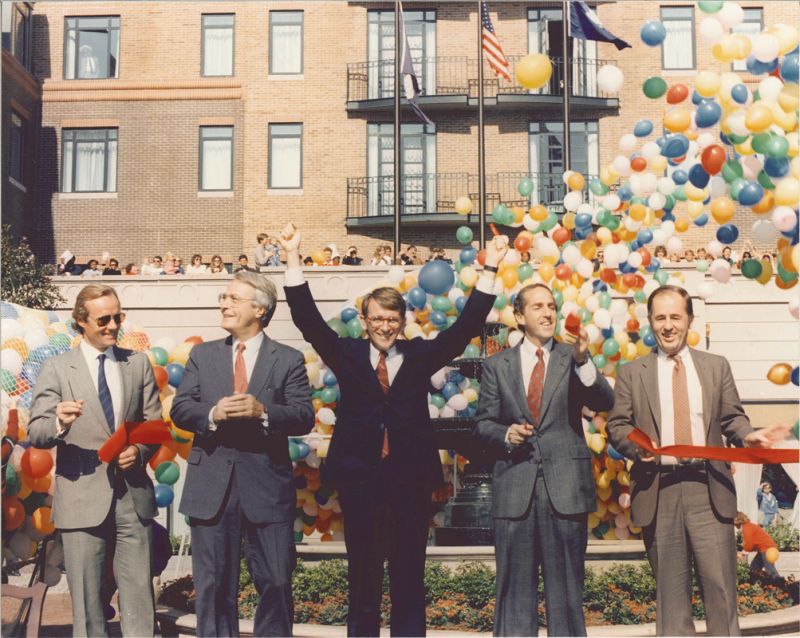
[(565, 457), (261, 457), (637, 405), (84, 485), (364, 412)]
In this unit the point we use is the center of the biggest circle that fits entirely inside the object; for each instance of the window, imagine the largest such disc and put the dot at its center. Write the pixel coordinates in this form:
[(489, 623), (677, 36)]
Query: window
[(17, 31), (750, 26), (285, 42), (216, 158), (91, 48), (677, 51), (217, 51), (89, 160), (285, 156), (546, 146), (17, 148)]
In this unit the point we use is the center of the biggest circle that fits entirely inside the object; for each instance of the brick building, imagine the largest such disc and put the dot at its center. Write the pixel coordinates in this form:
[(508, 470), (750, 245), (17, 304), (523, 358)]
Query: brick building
[(193, 126)]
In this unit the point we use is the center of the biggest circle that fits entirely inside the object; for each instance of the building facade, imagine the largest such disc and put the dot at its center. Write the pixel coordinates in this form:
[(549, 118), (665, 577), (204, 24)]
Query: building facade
[(193, 126)]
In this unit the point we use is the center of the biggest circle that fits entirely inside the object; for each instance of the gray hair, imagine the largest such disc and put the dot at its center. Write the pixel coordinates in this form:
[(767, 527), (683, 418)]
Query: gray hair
[(266, 296)]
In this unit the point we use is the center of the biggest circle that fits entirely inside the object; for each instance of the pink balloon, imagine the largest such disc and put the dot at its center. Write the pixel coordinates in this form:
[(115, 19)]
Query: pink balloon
[(624, 500)]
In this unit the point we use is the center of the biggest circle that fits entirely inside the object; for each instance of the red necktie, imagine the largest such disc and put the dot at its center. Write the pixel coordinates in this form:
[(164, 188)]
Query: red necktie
[(383, 378), (239, 371), (536, 386), (680, 403)]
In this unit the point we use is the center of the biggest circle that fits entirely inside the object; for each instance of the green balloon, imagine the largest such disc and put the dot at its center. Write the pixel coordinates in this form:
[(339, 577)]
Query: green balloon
[(464, 234), (737, 139), (603, 215), (558, 297), (167, 472), (796, 430), (710, 6), (670, 203), (599, 361), (160, 355), (701, 265), (639, 296), (354, 328), (60, 341), (525, 186), (471, 352), (7, 381), (765, 181), (784, 275), (451, 319), (441, 303), (548, 222), (338, 326), (610, 347), (524, 271), (731, 170), (328, 395), (500, 302), (597, 187), (613, 222), (438, 400), (13, 482), (760, 142), (499, 214), (605, 300), (680, 193), (751, 268), (584, 315), (661, 276), (777, 147), (736, 186), (654, 87)]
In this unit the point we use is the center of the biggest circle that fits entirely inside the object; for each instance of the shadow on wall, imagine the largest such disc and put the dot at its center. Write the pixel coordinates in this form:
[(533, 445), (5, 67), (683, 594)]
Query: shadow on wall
[(42, 66), (43, 241)]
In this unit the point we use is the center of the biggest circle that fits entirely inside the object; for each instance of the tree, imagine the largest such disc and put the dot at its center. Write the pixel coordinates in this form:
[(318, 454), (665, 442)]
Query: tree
[(25, 281)]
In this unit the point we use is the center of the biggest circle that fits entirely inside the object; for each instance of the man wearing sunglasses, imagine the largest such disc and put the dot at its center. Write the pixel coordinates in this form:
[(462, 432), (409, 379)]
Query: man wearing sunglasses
[(382, 458), (81, 397)]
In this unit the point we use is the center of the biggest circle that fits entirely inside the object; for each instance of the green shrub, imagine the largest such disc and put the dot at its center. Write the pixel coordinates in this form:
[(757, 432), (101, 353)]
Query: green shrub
[(315, 584), (437, 581), (475, 581), (785, 536)]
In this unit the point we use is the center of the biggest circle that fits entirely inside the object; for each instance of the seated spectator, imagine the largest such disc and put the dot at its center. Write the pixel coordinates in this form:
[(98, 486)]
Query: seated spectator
[(336, 260), (661, 254), (154, 267), (387, 254), (410, 257), (261, 259), (727, 255), (273, 253), (244, 264), (112, 268), (688, 256), (702, 255), (745, 256), (66, 263), (525, 257), (377, 257), (197, 267), (330, 252), (179, 266), (754, 538), (169, 264), (352, 258), (217, 267), (675, 258), (92, 269), (307, 261), (441, 255), (131, 269)]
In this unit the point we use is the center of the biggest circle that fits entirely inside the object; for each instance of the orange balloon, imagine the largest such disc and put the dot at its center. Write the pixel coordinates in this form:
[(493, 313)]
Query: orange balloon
[(638, 163), (523, 241), (164, 453), (42, 519), (563, 272), (162, 378), (771, 554), (538, 212), (194, 340), (677, 93), (561, 235), (693, 338), (576, 181), (36, 463), (780, 373), (546, 271), (722, 209), (766, 204), (13, 513), (510, 277)]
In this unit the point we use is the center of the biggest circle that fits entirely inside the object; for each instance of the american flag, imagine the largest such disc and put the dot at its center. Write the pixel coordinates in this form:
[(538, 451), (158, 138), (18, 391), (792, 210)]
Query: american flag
[(491, 46)]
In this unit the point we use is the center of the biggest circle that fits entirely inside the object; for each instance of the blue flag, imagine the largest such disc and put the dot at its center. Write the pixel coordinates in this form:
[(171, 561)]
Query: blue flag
[(585, 25)]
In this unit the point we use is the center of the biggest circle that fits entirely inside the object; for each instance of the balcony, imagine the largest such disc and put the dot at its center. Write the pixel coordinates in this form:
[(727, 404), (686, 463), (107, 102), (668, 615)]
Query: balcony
[(429, 198), (450, 83)]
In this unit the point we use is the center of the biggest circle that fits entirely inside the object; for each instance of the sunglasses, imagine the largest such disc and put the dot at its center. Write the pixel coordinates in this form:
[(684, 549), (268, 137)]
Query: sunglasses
[(106, 319)]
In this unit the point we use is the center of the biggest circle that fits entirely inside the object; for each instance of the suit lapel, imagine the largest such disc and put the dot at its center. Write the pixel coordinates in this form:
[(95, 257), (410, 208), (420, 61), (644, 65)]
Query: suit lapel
[(512, 369), (706, 386), (225, 376), (650, 382), (557, 367), (80, 383), (267, 356)]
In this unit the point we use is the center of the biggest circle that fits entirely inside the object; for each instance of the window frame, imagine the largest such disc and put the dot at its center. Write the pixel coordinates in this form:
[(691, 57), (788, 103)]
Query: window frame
[(664, 20), (203, 28), (270, 137), (201, 162), (760, 23), (76, 61), (20, 14), (111, 134), (302, 25)]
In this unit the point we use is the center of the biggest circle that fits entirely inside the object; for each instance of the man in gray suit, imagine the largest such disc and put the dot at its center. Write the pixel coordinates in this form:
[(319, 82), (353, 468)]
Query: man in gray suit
[(685, 507), (242, 396), (531, 401), (80, 398)]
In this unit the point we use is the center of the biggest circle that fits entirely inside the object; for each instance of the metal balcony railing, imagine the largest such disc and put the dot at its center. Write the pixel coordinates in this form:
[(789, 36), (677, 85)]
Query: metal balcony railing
[(432, 193), (458, 75)]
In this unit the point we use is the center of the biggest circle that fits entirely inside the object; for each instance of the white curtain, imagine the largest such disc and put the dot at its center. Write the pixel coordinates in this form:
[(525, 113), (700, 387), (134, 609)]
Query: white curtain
[(89, 166), (678, 44), (217, 165), (69, 55), (747, 478), (287, 47), (285, 162), (218, 52)]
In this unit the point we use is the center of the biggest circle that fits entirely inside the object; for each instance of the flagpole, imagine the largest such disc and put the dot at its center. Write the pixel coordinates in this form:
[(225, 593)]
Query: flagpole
[(397, 139), (481, 146), (566, 89)]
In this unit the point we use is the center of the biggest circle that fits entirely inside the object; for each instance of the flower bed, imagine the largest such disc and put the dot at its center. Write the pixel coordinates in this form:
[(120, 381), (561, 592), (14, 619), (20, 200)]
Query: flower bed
[(463, 598)]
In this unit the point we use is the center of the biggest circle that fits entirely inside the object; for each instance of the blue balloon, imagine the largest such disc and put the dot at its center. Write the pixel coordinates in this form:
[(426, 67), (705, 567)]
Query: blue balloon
[(436, 277), (583, 220), (449, 389), (739, 93), (329, 379), (625, 193), (680, 176), (583, 232), (467, 255), (348, 313), (174, 374), (455, 376), (437, 318), (698, 176), (613, 453), (643, 128), (653, 33), (644, 236), (727, 234), (756, 67), (164, 495), (750, 194), (675, 146), (696, 98), (461, 302), (701, 220), (775, 167), (649, 340), (796, 375), (417, 298), (302, 449), (707, 113), (789, 68)]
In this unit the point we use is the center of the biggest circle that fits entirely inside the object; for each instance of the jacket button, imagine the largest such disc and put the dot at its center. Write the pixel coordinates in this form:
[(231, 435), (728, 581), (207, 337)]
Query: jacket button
[(230, 462)]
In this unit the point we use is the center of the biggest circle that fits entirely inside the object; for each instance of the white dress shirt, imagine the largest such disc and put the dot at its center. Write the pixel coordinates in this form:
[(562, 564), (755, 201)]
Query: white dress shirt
[(665, 368), (587, 372), (394, 359)]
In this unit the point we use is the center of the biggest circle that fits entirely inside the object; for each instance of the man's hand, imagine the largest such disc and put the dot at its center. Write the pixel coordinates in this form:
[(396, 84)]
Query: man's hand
[(645, 456), (68, 411), (128, 458), (765, 437), (496, 250), (238, 406), (290, 238), (518, 433), (580, 345)]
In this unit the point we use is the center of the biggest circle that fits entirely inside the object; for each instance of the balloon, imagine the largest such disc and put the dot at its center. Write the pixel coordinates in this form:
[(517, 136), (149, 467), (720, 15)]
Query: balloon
[(780, 374), (167, 472), (727, 234), (36, 463), (533, 71), (751, 268), (790, 68), (174, 374), (765, 47), (713, 158), (710, 6), (164, 495), (525, 187), (463, 205), (675, 146), (750, 194), (464, 234), (771, 555), (160, 355), (707, 114), (653, 33), (13, 513), (710, 30), (654, 87), (436, 277), (677, 119), (610, 78), (42, 520), (740, 93), (677, 93)]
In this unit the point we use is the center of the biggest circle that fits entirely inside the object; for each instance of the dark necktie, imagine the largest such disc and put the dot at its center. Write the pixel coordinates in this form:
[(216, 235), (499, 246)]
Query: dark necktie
[(535, 387), (680, 403), (383, 378), (239, 371), (104, 392)]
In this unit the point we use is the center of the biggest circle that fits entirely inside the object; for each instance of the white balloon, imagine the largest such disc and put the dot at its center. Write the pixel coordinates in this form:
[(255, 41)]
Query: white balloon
[(631, 224), (710, 30), (635, 259), (585, 268), (11, 361), (168, 343), (628, 143), (656, 201), (611, 201), (571, 255), (674, 245), (717, 187), (714, 248), (736, 122), (454, 294), (622, 165), (610, 78), (514, 338), (764, 232), (447, 412), (433, 411), (665, 185), (396, 274), (650, 150), (594, 334), (458, 402), (705, 139), (649, 287), (439, 377), (36, 338), (794, 307), (720, 270), (326, 416), (572, 200), (668, 227), (602, 318), (10, 329), (751, 166), (784, 218), (619, 308), (530, 223), (705, 289), (765, 47), (770, 88), (730, 15)]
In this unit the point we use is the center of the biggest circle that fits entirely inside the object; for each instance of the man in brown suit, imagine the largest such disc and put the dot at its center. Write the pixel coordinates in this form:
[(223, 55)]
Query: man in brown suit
[(685, 507)]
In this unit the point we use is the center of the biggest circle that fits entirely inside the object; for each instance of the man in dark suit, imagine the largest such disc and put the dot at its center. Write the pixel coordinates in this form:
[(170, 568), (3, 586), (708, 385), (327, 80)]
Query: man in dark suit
[(242, 396), (382, 458), (685, 507), (80, 398), (529, 411)]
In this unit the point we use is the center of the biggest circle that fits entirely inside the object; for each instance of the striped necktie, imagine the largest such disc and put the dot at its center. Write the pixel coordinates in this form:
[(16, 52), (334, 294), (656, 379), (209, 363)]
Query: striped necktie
[(104, 392), (383, 378)]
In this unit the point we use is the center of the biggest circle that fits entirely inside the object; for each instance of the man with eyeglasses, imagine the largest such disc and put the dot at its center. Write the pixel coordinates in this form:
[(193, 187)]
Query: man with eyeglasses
[(79, 400), (243, 396), (383, 459)]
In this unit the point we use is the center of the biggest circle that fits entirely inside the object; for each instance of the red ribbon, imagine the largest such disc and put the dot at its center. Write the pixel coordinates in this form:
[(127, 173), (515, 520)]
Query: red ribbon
[(145, 433), (737, 454)]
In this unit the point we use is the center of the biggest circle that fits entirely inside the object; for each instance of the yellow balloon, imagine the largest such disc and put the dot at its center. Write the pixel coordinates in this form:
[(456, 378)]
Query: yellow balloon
[(608, 175), (507, 317), (758, 117), (787, 192), (412, 330), (694, 193), (469, 276), (693, 338), (789, 97), (546, 271), (707, 83), (657, 164), (533, 71), (771, 554), (743, 46), (568, 221), (463, 205), (681, 224), (745, 148), (677, 119), (722, 209), (576, 181), (605, 235), (786, 35), (538, 213), (726, 49), (695, 209)]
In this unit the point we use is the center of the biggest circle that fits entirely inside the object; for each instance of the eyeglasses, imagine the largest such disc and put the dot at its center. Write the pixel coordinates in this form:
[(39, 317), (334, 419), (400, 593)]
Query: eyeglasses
[(377, 322), (235, 299), (106, 319)]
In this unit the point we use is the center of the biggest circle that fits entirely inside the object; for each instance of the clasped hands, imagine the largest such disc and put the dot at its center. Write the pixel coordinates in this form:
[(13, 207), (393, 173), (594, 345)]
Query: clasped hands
[(238, 406)]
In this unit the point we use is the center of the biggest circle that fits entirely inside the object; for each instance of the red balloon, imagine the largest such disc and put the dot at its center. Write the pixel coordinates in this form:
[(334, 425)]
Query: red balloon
[(572, 324), (560, 236), (522, 242), (632, 325), (162, 378), (629, 279), (646, 256), (164, 453), (13, 513), (677, 93), (638, 164), (608, 275), (563, 272), (195, 340), (713, 159), (482, 257), (36, 463)]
